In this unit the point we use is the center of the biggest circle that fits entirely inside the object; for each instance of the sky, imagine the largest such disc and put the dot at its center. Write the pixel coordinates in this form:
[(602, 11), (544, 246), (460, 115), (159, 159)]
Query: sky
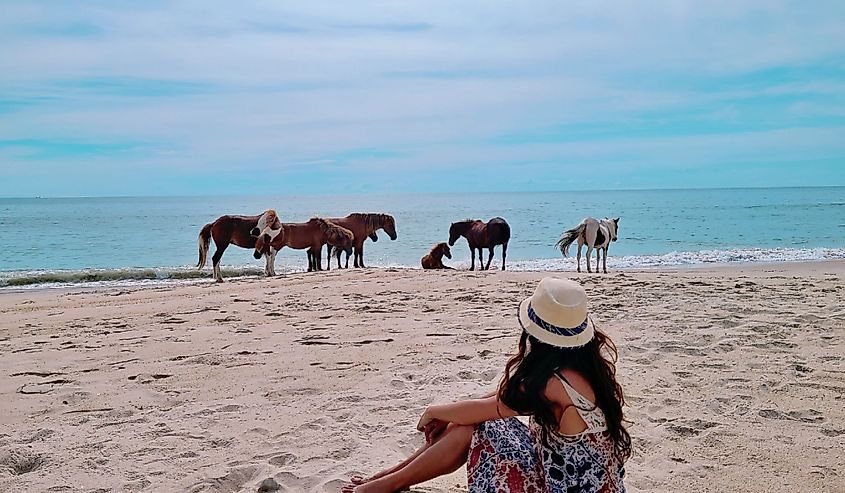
[(107, 98)]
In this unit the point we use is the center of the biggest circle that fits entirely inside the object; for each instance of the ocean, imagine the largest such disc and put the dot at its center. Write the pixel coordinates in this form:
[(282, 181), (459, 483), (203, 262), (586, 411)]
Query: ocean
[(54, 241)]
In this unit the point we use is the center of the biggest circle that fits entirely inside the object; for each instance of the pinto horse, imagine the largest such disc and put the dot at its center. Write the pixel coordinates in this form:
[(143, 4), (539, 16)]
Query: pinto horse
[(311, 235), (482, 235), (235, 230), (434, 259), (595, 234), (364, 225)]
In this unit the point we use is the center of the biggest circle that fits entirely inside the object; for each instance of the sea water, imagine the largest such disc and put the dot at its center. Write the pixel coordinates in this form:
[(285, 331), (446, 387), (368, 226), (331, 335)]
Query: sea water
[(136, 239)]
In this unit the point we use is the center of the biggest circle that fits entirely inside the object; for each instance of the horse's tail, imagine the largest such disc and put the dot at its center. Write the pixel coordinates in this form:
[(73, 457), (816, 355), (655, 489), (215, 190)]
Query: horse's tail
[(203, 241), (568, 237)]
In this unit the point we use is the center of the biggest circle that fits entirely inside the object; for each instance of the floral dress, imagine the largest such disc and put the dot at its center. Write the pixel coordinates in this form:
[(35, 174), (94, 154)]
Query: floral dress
[(506, 456)]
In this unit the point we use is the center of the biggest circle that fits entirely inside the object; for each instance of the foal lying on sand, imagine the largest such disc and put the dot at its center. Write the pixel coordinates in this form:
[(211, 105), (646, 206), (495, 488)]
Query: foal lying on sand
[(434, 259)]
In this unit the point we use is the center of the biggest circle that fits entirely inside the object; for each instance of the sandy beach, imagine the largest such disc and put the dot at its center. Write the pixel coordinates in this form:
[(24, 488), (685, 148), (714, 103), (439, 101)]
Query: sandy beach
[(735, 376)]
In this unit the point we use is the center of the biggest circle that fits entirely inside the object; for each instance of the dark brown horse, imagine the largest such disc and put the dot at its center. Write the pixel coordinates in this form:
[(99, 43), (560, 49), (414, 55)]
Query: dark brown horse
[(482, 235), (331, 250), (434, 259), (364, 225), (235, 230), (299, 236)]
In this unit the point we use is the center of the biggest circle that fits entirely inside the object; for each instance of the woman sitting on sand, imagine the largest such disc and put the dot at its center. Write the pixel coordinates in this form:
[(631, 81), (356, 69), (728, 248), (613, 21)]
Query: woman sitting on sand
[(564, 366)]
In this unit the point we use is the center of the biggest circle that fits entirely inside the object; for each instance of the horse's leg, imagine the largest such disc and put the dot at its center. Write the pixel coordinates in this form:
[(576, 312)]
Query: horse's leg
[(504, 253), (480, 259), (318, 257), (215, 260), (328, 256), (361, 255), (604, 260), (472, 258), (489, 259), (598, 257), (589, 258), (579, 256)]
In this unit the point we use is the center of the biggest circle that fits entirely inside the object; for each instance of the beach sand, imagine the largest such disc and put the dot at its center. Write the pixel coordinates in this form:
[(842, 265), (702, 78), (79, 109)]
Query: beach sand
[(735, 376)]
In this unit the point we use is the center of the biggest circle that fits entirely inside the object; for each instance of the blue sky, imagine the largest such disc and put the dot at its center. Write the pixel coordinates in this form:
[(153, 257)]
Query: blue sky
[(188, 98)]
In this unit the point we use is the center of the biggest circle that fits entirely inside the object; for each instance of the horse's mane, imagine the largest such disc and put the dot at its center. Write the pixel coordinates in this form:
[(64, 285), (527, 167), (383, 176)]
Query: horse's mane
[(270, 218), (372, 220), (335, 233), (436, 247)]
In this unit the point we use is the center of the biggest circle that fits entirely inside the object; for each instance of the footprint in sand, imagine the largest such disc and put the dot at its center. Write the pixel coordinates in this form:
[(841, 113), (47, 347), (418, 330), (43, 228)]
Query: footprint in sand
[(804, 415), (19, 462)]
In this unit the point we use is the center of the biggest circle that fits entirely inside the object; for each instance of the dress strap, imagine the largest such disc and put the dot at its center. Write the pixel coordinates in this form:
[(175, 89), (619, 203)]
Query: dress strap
[(589, 411)]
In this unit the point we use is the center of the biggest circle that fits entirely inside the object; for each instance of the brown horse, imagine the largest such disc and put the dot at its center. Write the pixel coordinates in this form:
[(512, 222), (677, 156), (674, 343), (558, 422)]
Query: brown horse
[(364, 225), (299, 236), (235, 230), (330, 250), (434, 259), (482, 235)]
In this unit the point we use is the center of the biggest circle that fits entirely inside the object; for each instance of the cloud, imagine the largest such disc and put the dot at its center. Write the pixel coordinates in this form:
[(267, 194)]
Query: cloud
[(384, 92)]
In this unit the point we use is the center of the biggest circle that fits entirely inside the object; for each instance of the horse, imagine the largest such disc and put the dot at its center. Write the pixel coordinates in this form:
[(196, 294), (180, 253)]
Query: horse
[(330, 250), (311, 235), (434, 259), (364, 225), (236, 230), (482, 235), (594, 233)]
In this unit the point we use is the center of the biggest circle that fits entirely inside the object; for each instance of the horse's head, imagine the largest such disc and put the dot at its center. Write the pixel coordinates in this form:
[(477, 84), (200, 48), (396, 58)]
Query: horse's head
[(456, 230), (263, 244), (268, 218), (445, 250), (614, 227), (389, 226)]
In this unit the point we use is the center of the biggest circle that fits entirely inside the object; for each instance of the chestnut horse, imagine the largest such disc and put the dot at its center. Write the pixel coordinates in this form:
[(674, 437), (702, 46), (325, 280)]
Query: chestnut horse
[(482, 235), (434, 259), (330, 250), (235, 230), (364, 225), (299, 236)]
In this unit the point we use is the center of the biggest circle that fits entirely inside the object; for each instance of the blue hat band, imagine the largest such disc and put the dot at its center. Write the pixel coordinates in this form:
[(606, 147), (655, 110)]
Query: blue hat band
[(554, 329)]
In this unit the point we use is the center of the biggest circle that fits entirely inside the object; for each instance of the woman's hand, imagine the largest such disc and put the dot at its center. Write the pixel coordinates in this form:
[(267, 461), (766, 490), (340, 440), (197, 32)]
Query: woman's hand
[(430, 425), (434, 429), (426, 418)]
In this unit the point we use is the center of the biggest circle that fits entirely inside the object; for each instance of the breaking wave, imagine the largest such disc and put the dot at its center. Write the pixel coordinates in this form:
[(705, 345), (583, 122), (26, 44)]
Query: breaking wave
[(140, 276)]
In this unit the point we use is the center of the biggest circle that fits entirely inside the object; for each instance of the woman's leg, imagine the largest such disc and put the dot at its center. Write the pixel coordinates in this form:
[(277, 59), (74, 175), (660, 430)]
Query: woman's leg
[(442, 457)]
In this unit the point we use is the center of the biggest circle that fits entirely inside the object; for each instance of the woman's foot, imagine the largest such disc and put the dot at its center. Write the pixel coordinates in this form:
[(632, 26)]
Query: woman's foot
[(376, 486)]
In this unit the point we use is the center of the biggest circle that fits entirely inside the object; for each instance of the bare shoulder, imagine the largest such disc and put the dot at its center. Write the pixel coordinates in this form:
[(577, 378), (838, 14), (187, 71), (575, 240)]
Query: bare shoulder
[(580, 384), (556, 393)]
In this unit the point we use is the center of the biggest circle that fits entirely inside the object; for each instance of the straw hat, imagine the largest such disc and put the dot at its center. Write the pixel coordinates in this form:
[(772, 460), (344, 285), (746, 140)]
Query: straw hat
[(556, 313)]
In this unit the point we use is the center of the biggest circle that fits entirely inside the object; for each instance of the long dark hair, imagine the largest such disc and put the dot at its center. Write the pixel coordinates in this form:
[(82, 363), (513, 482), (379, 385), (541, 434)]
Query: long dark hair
[(527, 373)]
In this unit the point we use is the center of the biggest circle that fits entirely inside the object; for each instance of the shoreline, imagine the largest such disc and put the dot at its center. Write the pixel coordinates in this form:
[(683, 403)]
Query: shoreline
[(838, 265), (214, 387)]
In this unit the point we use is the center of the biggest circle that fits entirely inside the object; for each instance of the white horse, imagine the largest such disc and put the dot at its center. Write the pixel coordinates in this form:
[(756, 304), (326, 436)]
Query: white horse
[(596, 234)]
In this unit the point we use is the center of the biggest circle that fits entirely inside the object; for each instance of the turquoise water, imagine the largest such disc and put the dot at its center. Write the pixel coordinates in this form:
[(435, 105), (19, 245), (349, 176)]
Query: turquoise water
[(45, 240)]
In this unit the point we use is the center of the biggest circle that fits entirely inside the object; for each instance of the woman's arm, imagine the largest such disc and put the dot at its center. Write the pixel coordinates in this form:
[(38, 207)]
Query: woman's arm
[(467, 412)]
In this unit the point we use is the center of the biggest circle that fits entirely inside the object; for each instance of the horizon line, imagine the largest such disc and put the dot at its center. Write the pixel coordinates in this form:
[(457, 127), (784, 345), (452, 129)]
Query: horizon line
[(647, 189)]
